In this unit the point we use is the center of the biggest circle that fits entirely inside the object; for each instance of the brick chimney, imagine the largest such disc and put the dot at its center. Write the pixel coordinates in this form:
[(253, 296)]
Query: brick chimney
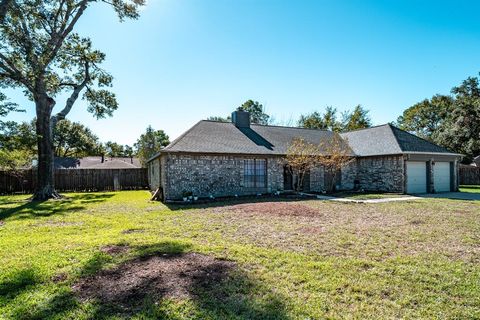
[(241, 119)]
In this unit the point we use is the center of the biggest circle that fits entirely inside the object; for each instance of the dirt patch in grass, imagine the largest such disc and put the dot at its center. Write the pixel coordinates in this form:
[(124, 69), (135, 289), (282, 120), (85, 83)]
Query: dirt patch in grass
[(2, 223), (271, 208), (366, 231), (129, 231), (312, 230), (60, 277), (153, 277), (114, 249)]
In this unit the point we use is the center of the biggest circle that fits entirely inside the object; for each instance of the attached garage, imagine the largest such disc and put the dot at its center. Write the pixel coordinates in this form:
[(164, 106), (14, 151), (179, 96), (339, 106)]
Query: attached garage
[(442, 176), (416, 177)]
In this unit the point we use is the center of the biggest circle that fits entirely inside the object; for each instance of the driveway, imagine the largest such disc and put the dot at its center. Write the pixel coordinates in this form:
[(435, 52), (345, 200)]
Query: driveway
[(453, 195)]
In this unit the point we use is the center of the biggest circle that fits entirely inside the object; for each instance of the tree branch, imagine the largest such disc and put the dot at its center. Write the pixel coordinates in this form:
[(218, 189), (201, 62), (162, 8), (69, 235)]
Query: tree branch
[(73, 97), (57, 38), (3, 9), (12, 72)]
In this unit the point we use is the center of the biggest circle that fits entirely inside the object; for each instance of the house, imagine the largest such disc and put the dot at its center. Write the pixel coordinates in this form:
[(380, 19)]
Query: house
[(97, 162), (476, 161), (238, 158)]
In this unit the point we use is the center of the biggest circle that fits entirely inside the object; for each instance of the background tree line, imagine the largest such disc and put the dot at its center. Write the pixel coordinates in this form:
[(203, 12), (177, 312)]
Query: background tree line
[(452, 121), (18, 142), (350, 120)]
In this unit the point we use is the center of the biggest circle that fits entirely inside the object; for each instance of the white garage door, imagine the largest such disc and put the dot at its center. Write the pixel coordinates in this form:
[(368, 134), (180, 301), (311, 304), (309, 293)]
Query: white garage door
[(416, 177), (441, 176)]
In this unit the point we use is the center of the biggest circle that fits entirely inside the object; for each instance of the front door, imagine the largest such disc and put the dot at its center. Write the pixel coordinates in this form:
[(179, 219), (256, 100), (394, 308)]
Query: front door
[(287, 178)]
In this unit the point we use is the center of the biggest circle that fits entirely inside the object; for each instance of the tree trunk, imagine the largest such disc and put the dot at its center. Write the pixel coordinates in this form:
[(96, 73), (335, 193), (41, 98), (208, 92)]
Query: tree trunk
[(45, 171)]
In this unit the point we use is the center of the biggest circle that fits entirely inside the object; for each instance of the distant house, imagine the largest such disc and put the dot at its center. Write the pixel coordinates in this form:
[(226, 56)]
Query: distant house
[(476, 161), (225, 159), (97, 163)]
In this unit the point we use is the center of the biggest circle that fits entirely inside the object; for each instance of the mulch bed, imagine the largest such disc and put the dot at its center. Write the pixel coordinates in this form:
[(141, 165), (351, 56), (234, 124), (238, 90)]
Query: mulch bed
[(273, 208), (153, 277)]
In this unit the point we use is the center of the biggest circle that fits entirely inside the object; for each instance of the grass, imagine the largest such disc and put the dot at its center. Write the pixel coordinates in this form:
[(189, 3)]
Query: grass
[(293, 260), (367, 195), (472, 189)]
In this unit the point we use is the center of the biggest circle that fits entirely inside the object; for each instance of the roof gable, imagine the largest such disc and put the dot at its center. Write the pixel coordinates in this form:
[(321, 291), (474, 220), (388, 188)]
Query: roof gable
[(388, 139), (95, 162), (372, 141)]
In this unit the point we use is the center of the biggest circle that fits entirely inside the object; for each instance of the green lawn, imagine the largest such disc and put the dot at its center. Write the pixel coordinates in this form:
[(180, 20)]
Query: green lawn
[(116, 255), (367, 195), (474, 189)]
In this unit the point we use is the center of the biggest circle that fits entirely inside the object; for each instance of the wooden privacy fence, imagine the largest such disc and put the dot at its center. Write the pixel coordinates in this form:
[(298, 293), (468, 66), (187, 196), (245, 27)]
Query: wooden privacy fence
[(78, 180), (469, 175)]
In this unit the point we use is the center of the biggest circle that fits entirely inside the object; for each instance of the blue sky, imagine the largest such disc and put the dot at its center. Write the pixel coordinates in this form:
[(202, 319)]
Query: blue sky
[(185, 60)]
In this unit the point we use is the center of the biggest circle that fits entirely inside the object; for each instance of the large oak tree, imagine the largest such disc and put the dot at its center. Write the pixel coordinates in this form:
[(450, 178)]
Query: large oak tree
[(41, 54), (450, 121)]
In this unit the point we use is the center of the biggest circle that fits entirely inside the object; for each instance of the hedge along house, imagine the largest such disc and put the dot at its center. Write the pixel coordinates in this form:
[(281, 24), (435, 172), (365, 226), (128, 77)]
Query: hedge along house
[(238, 158)]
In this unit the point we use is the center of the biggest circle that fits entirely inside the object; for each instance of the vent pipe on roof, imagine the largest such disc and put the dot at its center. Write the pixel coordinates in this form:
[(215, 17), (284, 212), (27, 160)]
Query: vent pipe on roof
[(241, 119)]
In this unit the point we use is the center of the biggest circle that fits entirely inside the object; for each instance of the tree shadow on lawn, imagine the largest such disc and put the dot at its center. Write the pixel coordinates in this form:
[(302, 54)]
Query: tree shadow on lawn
[(32, 209), (161, 277), (16, 283)]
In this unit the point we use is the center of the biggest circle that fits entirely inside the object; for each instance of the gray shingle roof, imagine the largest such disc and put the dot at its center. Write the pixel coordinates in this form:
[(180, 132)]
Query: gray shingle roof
[(95, 162), (223, 137), (388, 139)]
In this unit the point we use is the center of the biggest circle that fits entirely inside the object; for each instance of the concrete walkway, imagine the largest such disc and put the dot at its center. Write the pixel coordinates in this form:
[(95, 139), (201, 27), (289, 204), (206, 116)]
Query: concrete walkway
[(447, 195), (381, 200)]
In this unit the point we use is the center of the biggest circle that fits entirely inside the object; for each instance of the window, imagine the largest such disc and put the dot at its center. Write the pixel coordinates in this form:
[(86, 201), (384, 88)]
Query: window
[(255, 173)]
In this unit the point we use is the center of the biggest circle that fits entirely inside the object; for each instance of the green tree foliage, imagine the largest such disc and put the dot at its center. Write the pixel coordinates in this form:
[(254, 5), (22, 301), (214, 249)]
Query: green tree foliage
[(357, 119), (18, 136), (14, 161), (42, 55), (256, 110), (113, 149), (312, 120), (450, 121), (150, 142), (220, 119), (426, 117), (72, 139), (128, 151), (461, 130)]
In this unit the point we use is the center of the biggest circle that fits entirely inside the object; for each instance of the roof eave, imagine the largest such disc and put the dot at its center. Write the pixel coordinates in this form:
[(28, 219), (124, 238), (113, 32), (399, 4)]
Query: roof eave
[(435, 153), (155, 156)]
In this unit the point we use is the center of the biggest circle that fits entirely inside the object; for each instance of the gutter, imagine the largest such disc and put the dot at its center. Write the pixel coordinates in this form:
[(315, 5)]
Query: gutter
[(156, 155), (436, 153)]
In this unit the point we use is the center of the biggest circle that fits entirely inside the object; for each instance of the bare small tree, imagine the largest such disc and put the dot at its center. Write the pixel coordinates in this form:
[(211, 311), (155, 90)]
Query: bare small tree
[(335, 154), (332, 154), (302, 156)]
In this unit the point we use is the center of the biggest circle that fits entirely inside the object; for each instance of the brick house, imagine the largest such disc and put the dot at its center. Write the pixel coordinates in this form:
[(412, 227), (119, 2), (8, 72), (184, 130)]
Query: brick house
[(238, 158)]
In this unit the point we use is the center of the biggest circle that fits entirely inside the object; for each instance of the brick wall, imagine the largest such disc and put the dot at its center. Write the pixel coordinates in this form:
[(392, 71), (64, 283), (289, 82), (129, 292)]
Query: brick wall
[(154, 174), (385, 173), (206, 175), (223, 175)]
